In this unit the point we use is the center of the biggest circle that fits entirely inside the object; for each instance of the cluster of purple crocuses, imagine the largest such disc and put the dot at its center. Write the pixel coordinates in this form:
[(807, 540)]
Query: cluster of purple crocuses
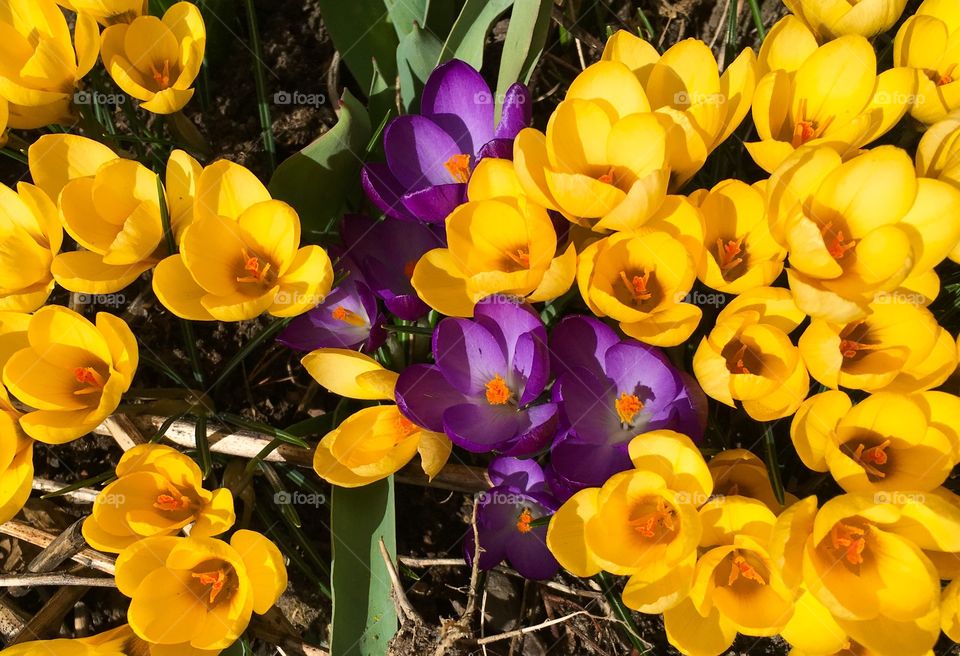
[(575, 400), (498, 383)]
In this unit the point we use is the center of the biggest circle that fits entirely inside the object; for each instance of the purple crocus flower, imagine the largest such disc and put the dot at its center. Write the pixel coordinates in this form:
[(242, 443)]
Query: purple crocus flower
[(504, 512), (610, 390), (348, 317), (488, 373), (384, 254), (430, 156)]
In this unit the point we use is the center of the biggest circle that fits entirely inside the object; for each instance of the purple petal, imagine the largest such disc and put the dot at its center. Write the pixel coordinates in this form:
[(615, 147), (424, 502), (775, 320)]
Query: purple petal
[(468, 355), (423, 395), (405, 306), (481, 428), (384, 190), (417, 150), (635, 368), (507, 320), (319, 328), (529, 555), (434, 204), (458, 99), (497, 149), (581, 464), (516, 113), (581, 341), (539, 430), (588, 407), (531, 364), (521, 473)]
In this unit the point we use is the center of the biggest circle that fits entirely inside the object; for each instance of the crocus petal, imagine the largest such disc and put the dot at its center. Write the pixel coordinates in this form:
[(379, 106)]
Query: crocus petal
[(385, 190), (516, 112), (457, 98)]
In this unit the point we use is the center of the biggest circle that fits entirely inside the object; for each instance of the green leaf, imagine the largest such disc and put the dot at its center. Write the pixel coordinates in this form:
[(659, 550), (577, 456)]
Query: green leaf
[(526, 36), (469, 32), (361, 32), (320, 179), (364, 617), (240, 648), (416, 59), (404, 13)]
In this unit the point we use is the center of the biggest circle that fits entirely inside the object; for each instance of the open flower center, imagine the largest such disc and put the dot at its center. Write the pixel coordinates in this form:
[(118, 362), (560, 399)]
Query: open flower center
[(523, 521), (741, 569), (459, 167), (161, 74), (405, 427), (341, 313), (91, 381), (638, 286), (850, 541), (873, 458), (497, 391), (520, 257), (257, 269), (853, 341), (170, 502), (627, 406), (836, 242), (213, 582), (740, 359), (607, 177), (730, 255), (807, 129), (659, 520), (942, 79)]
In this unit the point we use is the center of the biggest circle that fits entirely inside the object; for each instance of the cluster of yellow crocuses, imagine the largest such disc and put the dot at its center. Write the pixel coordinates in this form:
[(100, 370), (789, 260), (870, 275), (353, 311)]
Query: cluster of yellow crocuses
[(154, 60)]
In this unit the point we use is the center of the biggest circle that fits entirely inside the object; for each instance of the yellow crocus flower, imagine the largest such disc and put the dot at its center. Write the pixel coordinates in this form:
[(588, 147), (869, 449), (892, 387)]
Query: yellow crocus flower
[(374, 442), (240, 254), (938, 156), (642, 522), (16, 449), (897, 347), (886, 443), (642, 278), (927, 42), (500, 242), (860, 230), (120, 641), (700, 107), (31, 235), (72, 372), (748, 356), (740, 253), (738, 472), (42, 64), (829, 95), (158, 491), (108, 12), (198, 592), (156, 60), (829, 19)]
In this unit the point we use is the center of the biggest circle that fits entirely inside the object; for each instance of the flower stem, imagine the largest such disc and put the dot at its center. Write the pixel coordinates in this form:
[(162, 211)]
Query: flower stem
[(773, 464), (622, 612), (248, 348), (263, 107), (408, 330)]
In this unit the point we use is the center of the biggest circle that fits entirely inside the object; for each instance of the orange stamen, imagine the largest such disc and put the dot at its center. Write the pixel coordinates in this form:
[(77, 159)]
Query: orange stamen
[(662, 517), (637, 286), (727, 254), (215, 579), (459, 167), (872, 458), (851, 539), (607, 177), (742, 568), (405, 427), (258, 270), (497, 391), (521, 257), (945, 78), (341, 313), (740, 367), (88, 376), (805, 129), (523, 521), (627, 406), (170, 502), (162, 76), (838, 245)]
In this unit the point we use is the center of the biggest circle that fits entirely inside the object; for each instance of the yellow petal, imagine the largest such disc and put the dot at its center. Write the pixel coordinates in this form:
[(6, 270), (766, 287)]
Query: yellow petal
[(227, 189), (612, 84), (814, 425), (788, 44), (667, 327), (566, 533), (441, 285), (305, 284), (493, 178), (55, 159), (265, 568), (178, 291), (338, 370), (434, 450)]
